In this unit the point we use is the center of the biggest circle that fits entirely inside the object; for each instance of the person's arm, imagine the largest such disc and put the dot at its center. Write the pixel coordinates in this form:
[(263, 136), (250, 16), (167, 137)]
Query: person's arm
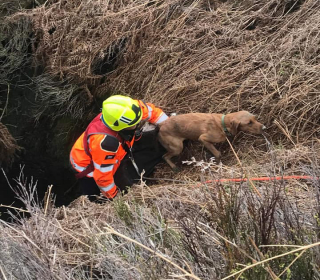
[(151, 113), (103, 151)]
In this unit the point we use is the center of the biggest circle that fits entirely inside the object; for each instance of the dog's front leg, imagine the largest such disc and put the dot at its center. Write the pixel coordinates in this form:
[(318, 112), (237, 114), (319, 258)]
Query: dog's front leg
[(205, 140)]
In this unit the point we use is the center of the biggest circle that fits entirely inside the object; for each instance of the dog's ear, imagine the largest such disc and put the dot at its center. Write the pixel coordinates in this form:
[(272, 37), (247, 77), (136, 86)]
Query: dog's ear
[(234, 126)]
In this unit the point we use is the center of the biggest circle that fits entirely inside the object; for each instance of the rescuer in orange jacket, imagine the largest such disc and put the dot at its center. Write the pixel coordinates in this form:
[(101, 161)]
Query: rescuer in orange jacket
[(98, 152)]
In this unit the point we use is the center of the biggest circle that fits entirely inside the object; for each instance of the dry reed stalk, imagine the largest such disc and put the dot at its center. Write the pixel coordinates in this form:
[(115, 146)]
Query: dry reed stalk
[(251, 183), (186, 273), (289, 265), (3, 274), (47, 199), (303, 248), (7, 101), (26, 238), (8, 146), (14, 208), (270, 271)]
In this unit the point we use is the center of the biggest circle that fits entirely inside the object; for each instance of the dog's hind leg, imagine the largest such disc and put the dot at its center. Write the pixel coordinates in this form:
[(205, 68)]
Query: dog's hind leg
[(204, 139), (174, 147)]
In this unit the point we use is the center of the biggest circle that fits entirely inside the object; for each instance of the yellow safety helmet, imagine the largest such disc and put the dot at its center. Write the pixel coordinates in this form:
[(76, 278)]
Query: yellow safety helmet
[(120, 112)]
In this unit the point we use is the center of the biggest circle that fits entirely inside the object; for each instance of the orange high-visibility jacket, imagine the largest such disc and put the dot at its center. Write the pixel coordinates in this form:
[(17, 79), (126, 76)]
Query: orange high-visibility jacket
[(106, 151)]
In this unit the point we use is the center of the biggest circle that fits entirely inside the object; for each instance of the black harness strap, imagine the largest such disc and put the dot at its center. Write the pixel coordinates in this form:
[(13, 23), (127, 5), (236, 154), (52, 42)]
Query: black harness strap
[(129, 151)]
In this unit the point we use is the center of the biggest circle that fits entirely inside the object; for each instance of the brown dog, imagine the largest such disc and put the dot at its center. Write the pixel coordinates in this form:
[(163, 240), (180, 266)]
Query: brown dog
[(206, 128)]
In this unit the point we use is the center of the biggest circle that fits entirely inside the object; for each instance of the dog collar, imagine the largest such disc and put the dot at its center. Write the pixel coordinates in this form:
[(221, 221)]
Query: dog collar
[(225, 130)]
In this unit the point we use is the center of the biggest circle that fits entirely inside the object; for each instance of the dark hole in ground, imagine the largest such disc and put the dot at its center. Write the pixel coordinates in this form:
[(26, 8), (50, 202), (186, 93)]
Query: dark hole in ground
[(45, 148)]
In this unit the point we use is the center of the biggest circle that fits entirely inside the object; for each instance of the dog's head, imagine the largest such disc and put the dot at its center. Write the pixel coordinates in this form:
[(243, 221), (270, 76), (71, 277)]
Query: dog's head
[(245, 121)]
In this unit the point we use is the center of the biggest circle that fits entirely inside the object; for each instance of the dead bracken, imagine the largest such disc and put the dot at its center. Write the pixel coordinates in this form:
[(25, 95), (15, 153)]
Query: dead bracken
[(186, 56)]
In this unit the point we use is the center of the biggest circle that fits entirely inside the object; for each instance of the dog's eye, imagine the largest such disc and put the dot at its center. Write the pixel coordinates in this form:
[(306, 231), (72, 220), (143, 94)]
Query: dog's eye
[(250, 122)]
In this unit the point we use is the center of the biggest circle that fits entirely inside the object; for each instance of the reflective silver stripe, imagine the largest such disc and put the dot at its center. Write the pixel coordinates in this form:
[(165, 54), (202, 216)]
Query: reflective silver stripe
[(103, 169), (125, 120), (79, 168), (76, 166), (162, 118), (150, 112), (107, 188), (106, 168)]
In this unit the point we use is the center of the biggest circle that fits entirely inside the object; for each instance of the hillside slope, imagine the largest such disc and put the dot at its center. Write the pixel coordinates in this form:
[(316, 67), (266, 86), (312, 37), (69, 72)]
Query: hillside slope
[(185, 56)]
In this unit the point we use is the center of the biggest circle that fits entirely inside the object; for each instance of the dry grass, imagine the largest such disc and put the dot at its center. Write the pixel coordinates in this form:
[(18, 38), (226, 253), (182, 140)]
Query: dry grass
[(187, 56), (184, 230), (8, 146), (190, 56), (14, 43)]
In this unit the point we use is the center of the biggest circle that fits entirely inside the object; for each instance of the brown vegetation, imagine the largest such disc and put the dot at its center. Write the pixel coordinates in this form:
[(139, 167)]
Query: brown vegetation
[(187, 56), (8, 146), (186, 229), (190, 56)]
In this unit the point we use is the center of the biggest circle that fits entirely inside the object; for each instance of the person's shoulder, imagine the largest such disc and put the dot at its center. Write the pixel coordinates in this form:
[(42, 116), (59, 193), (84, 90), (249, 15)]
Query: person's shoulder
[(109, 143)]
